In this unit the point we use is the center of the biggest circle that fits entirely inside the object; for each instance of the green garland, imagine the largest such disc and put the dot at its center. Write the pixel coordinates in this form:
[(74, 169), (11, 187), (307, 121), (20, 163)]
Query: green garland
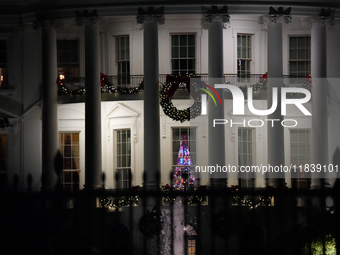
[(107, 88), (178, 115), (251, 201), (199, 199), (117, 202)]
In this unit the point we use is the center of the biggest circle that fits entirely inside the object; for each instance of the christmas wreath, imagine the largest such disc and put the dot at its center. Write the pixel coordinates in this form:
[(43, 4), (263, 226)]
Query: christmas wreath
[(150, 223), (179, 115)]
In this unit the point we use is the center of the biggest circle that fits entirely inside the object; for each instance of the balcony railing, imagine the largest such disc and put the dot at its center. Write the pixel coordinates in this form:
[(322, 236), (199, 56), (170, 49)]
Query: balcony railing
[(77, 85)]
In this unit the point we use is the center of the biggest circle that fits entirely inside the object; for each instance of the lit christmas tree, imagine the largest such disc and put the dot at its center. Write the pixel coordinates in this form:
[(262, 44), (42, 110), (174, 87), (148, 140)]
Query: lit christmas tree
[(184, 173)]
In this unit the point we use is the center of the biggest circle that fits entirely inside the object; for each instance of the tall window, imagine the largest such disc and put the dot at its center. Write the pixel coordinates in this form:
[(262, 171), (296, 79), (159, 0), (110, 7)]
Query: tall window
[(300, 154), (299, 56), (123, 59), (68, 59), (184, 158), (3, 65), (183, 59), (190, 235), (123, 170), (246, 155), (177, 134), (244, 54), (69, 148), (3, 162)]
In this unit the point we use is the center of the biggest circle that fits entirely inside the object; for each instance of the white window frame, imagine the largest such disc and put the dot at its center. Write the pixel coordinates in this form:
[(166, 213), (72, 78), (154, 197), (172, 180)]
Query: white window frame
[(123, 60), (174, 151), (73, 182), (244, 73), (180, 70), (300, 182), (63, 66), (120, 171), (297, 60), (248, 182)]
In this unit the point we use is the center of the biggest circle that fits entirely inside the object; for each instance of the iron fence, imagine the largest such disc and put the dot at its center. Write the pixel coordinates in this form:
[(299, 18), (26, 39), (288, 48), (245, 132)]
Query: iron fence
[(200, 220)]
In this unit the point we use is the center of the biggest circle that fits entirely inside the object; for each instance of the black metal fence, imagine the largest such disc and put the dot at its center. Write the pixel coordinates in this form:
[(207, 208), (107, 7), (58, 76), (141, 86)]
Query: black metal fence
[(165, 221)]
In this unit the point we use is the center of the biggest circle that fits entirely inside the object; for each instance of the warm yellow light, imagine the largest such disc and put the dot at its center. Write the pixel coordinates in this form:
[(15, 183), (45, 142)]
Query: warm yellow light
[(2, 78), (61, 77)]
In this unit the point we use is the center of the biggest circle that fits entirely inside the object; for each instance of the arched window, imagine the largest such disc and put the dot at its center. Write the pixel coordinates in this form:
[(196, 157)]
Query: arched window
[(190, 240)]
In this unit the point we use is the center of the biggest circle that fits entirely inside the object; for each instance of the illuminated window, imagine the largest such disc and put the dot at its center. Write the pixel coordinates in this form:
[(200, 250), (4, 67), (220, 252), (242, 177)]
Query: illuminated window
[(68, 59), (69, 148), (190, 240), (183, 58), (3, 65), (244, 55), (3, 161), (123, 169), (123, 59), (184, 158), (246, 155), (299, 56)]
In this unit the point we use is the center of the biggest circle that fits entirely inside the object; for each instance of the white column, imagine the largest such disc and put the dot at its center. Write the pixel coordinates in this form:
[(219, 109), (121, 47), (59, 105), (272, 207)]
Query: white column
[(216, 135), (49, 108), (93, 145), (151, 102), (275, 80), (319, 98)]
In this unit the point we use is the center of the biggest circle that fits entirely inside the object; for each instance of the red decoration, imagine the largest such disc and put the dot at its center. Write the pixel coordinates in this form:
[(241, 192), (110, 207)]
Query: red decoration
[(264, 77), (234, 187)]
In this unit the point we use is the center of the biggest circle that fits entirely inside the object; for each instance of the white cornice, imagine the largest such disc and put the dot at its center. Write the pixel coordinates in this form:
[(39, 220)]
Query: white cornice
[(15, 11)]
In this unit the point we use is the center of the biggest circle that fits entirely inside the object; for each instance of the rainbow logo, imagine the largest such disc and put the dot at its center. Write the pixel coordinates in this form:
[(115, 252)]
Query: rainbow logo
[(204, 97)]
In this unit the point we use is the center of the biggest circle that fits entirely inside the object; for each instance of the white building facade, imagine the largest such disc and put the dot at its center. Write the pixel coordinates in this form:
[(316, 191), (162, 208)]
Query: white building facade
[(57, 47)]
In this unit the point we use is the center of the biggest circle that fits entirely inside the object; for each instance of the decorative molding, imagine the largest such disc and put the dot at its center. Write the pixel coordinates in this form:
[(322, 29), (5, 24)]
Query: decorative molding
[(275, 16), (151, 14), (325, 17), (124, 112), (86, 17), (233, 134), (40, 23), (108, 130), (204, 127), (163, 126), (216, 14)]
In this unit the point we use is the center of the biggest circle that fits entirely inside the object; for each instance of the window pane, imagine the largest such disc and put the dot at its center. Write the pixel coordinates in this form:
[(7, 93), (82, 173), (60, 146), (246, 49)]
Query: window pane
[(174, 52), (191, 40), (183, 52), (301, 42), (183, 40), (191, 52), (293, 54), (301, 54), (293, 42), (299, 50)]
